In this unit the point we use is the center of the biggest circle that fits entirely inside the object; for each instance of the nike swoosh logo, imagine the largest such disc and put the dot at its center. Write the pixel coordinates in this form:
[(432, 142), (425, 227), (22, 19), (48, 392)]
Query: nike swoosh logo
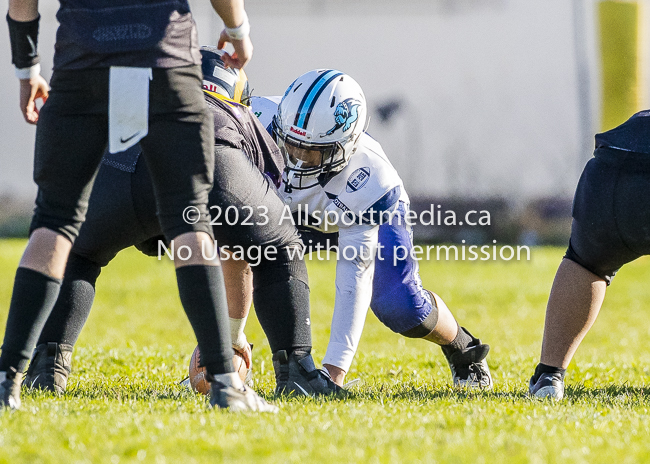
[(34, 381), (124, 140), (33, 45), (351, 383), (304, 392)]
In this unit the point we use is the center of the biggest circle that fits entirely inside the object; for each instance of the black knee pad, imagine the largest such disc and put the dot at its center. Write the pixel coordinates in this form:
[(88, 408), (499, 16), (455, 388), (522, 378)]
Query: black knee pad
[(427, 325)]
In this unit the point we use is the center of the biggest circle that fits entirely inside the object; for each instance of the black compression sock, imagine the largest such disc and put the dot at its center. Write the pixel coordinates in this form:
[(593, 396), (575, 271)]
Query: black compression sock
[(75, 301), (546, 369), (33, 297), (203, 295), (283, 311), (462, 341)]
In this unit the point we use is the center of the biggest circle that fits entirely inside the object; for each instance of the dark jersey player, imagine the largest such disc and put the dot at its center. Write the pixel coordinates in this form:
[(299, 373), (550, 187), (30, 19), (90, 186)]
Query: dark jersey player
[(122, 213), (125, 71), (611, 227)]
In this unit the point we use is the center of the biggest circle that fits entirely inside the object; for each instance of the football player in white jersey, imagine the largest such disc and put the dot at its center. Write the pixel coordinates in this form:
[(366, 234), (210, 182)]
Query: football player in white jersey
[(342, 191)]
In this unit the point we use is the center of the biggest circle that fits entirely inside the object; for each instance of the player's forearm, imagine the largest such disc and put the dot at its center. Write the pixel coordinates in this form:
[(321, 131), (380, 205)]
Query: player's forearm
[(239, 293), (23, 22), (350, 310), (236, 32), (353, 295), (23, 10), (232, 12), (238, 277)]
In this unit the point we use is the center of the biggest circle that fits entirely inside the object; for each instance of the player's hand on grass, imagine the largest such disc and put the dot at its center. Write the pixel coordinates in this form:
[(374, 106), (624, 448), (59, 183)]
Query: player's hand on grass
[(337, 374), (30, 91), (243, 50)]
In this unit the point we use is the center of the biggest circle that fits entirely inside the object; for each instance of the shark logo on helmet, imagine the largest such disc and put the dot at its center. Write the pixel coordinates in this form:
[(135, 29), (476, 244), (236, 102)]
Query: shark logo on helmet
[(345, 115)]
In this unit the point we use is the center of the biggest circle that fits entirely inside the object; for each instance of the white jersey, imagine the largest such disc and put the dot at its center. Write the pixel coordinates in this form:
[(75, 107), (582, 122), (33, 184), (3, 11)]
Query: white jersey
[(265, 108), (368, 183)]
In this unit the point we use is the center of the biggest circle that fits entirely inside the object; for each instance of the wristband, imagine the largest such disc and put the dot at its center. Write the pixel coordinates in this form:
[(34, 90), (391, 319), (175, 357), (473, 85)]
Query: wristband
[(23, 36), (237, 332), (28, 73), (240, 32)]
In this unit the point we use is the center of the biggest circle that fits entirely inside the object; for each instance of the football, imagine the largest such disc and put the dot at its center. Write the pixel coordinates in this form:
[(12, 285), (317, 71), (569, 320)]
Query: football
[(198, 380)]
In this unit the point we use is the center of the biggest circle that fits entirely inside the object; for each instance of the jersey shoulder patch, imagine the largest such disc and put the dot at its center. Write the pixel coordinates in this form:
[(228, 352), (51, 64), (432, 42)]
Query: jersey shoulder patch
[(358, 179)]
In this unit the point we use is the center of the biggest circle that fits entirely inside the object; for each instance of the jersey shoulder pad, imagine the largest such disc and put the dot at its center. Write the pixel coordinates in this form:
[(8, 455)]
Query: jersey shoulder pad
[(368, 186), (265, 108)]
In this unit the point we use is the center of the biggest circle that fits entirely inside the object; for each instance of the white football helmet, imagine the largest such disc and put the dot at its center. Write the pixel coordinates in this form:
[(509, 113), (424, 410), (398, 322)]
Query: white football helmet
[(318, 124)]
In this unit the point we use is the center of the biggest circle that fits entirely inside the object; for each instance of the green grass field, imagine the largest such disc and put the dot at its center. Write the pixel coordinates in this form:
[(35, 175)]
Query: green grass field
[(124, 404)]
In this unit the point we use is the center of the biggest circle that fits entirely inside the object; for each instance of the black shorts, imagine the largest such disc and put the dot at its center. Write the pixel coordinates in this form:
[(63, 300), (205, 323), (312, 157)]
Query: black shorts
[(122, 210), (611, 212), (72, 135)]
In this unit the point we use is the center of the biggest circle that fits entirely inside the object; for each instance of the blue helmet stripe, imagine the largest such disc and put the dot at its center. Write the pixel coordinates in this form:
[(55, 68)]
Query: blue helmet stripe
[(309, 100)]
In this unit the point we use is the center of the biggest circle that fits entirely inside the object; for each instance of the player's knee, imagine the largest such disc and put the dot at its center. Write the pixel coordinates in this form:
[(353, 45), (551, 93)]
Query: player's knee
[(82, 268), (412, 321), (604, 271), (286, 264)]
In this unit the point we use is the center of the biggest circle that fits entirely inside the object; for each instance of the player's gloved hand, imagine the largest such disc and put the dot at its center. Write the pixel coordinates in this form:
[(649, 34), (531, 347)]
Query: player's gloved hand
[(30, 91), (243, 50)]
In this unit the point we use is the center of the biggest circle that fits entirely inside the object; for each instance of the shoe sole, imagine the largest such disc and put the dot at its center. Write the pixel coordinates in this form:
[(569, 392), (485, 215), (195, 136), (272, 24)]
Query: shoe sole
[(472, 386), (550, 392), (242, 407)]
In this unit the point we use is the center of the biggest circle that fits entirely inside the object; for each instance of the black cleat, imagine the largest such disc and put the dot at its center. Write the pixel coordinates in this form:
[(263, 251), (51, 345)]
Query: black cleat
[(50, 367), (469, 368), (549, 386), (296, 374)]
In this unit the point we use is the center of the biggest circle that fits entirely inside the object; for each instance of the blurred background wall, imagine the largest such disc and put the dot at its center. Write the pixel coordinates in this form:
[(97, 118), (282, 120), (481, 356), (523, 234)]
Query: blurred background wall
[(492, 101)]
